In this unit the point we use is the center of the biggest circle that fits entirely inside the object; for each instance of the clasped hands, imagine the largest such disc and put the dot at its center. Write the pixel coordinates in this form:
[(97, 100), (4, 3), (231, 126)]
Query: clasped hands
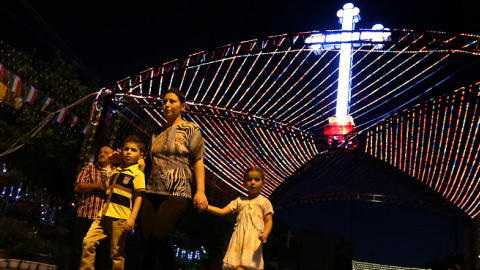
[(200, 201)]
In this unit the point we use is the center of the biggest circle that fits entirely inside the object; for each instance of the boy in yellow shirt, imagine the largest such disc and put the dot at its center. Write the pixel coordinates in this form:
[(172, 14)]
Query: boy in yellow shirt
[(117, 216)]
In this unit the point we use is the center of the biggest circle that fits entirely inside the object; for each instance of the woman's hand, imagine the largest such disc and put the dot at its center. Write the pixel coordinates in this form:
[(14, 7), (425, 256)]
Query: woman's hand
[(116, 157), (129, 225), (200, 201)]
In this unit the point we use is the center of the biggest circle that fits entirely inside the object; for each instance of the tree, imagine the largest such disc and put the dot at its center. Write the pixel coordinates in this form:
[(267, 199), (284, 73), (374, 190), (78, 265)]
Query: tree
[(49, 159)]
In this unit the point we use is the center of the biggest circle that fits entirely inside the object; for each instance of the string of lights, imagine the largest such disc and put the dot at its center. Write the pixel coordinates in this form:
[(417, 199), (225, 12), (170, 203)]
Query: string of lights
[(281, 86), (468, 159), (171, 80), (454, 139), (212, 81), (244, 79), (233, 79), (253, 82), (191, 82), (223, 80), (433, 143), (201, 84), (263, 84), (302, 108), (299, 92), (403, 84), (278, 77)]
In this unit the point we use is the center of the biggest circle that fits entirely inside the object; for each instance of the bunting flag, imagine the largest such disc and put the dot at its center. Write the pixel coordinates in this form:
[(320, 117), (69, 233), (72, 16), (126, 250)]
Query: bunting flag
[(3, 91), (16, 102), (31, 94), (3, 85), (15, 83), (74, 120), (2, 69), (46, 101), (86, 128), (60, 116)]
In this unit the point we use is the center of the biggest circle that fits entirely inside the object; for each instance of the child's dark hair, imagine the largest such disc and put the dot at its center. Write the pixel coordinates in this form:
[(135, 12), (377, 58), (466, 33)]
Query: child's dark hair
[(173, 90), (137, 140), (254, 169)]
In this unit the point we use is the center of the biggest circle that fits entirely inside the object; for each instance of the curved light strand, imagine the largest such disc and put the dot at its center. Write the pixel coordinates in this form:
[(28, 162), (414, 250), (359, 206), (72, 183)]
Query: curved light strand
[(274, 82), (234, 77), (201, 83), (194, 76), (468, 159), (281, 86), (244, 78), (447, 171), (255, 80), (213, 80), (437, 188), (223, 80), (264, 82)]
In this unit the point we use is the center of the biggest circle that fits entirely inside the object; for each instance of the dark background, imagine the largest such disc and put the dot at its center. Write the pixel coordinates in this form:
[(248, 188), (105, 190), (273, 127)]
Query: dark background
[(113, 41)]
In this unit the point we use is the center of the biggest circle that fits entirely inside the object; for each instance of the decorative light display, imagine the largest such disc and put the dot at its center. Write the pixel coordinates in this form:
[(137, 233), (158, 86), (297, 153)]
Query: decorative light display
[(356, 265), (262, 101), (438, 145)]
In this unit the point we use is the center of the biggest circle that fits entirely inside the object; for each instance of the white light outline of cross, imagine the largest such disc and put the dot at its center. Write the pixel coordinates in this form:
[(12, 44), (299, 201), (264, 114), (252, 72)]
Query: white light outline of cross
[(348, 16)]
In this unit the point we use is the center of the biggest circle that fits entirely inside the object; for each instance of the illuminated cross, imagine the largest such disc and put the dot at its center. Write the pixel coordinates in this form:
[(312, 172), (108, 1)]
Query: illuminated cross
[(345, 40)]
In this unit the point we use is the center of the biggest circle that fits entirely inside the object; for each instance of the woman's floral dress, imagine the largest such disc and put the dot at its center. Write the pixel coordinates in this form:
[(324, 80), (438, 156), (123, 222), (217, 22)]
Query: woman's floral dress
[(245, 248)]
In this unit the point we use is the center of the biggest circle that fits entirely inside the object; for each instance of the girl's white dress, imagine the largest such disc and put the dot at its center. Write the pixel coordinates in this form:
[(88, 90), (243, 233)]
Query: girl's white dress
[(245, 248)]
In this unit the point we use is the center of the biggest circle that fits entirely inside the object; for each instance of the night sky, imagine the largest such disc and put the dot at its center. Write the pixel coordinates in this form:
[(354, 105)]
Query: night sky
[(111, 42), (116, 41)]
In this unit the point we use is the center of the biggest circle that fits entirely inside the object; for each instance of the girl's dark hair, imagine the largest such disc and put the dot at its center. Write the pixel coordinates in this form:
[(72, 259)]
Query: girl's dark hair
[(180, 95), (256, 169)]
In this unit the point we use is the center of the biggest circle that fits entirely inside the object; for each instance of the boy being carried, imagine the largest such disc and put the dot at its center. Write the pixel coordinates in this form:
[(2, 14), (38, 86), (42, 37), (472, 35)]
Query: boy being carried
[(117, 216)]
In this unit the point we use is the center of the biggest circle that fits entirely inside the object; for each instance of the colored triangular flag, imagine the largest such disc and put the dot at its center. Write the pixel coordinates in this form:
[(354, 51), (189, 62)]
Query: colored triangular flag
[(46, 101), (31, 94), (86, 128), (60, 116), (5, 74), (15, 83), (74, 120), (3, 91), (2, 69)]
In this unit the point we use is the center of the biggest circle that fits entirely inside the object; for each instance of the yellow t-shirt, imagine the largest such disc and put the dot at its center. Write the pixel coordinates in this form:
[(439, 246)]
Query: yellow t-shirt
[(129, 183)]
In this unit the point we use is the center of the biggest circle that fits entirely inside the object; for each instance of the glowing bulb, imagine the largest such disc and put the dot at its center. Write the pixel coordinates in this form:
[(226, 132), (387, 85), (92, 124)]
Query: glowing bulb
[(356, 11)]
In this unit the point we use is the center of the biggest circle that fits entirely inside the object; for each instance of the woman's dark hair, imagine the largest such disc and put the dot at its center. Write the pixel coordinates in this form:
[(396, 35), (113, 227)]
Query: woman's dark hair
[(180, 95), (256, 169)]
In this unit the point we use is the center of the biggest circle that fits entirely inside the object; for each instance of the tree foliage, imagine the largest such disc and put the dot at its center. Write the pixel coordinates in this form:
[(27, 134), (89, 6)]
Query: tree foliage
[(49, 159)]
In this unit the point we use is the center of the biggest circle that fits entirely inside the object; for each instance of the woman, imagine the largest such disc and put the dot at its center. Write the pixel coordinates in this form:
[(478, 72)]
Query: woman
[(175, 148)]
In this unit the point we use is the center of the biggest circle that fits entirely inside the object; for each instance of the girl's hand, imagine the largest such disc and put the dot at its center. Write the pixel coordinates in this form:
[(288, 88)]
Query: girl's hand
[(129, 225), (263, 237), (116, 157), (200, 201)]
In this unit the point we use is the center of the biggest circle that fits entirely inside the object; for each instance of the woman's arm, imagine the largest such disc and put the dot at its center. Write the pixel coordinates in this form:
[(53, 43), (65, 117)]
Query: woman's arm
[(217, 211), (200, 200)]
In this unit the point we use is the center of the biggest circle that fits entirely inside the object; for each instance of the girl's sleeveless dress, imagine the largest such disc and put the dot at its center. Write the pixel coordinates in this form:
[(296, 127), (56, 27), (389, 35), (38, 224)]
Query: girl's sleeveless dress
[(245, 248)]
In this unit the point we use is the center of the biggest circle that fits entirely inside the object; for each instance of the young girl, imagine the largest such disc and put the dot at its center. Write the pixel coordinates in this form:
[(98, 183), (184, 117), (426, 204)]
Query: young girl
[(254, 223)]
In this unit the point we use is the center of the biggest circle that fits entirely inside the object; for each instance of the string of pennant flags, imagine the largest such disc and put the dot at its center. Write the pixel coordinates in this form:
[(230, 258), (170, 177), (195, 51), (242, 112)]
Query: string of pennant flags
[(15, 92)]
